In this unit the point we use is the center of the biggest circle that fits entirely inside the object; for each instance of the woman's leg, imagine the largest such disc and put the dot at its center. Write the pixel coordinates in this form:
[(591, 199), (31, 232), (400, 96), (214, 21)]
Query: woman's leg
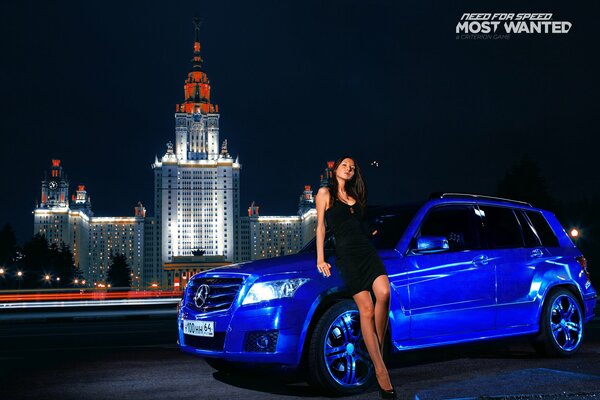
[(381, 288), (366, 310)]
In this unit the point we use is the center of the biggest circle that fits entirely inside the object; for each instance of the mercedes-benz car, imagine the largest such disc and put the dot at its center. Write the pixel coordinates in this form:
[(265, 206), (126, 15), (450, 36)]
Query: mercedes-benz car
[(462, 268)]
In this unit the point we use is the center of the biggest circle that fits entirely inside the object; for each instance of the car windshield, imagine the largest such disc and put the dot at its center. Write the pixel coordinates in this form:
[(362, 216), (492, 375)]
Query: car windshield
[(389, 222)]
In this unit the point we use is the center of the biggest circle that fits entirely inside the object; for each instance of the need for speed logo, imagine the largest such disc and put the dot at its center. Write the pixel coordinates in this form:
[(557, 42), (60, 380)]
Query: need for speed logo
[(508, 23)]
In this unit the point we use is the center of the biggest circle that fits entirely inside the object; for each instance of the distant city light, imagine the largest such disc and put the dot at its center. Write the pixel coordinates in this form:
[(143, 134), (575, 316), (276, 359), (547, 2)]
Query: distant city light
[(374, 163), (574, 233)]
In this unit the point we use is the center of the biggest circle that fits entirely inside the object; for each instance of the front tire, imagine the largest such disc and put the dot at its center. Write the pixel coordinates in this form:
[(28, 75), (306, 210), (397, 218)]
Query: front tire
[(561, 325), (338, 360)]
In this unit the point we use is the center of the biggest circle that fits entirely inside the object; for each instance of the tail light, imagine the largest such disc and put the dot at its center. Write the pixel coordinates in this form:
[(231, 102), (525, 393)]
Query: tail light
[(583, 262)]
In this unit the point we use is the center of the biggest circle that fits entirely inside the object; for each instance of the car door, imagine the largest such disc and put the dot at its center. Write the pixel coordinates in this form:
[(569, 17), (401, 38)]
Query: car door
[(451, 292), (515, 251)]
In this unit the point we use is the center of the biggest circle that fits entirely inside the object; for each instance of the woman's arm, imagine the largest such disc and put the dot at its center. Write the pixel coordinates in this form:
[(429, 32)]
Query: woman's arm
[(322, 201)]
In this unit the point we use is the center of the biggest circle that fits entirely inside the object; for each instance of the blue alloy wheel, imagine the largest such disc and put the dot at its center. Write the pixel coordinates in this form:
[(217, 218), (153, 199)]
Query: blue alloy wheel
[(566, 323), (561, 325), (338, 358)]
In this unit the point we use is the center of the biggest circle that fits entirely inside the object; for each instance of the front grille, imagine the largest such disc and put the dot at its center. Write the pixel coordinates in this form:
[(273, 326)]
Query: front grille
[(216, 343), (221, 293)]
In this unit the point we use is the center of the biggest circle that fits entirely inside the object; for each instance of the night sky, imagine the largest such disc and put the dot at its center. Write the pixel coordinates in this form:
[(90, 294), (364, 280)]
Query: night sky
[(298, 83)]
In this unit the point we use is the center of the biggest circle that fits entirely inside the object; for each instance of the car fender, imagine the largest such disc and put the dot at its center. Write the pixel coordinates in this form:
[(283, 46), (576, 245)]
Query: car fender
[(550, 285), (329, 295)]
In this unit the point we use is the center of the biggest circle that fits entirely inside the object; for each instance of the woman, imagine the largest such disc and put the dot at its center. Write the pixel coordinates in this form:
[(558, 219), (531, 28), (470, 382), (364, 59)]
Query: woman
[(342, 205)]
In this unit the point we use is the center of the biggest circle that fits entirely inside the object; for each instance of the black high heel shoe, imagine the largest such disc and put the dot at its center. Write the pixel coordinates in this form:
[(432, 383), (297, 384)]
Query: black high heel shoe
[(387, 394)]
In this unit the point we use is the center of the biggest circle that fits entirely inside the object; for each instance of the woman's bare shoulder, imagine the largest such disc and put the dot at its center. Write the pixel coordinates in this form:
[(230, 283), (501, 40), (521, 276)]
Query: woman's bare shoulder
[(324, 192), (323, 197)]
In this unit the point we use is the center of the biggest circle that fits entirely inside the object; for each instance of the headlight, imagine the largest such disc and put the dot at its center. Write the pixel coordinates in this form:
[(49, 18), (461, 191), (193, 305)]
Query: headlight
[(263, 291)]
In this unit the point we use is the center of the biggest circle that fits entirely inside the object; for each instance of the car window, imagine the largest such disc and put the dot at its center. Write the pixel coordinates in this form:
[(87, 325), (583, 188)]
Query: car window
[(543, 229), (501, 227), (456, 223), (529, 235)]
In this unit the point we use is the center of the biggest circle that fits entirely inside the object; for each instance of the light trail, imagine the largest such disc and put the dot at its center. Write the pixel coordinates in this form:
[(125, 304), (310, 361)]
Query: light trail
[(79, 295), (88, 303)]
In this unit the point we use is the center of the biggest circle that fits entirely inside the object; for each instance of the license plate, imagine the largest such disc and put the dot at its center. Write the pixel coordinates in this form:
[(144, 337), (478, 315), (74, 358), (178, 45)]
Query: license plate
[(199, 328)]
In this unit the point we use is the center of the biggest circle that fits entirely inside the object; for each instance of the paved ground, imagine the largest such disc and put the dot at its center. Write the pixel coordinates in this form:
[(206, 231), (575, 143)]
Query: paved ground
[(133, 359)]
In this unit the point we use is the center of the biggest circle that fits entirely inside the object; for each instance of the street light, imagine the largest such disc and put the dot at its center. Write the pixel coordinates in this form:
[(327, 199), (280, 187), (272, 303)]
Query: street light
[(574, 233), (58, 281), (19, 278), (1, 271)]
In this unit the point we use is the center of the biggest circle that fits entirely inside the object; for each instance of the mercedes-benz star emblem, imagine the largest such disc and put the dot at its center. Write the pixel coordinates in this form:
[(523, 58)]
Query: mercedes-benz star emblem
[(201, 295)]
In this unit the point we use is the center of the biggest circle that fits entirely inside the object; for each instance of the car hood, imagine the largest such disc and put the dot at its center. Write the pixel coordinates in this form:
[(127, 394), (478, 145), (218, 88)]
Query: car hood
[(292, 263)]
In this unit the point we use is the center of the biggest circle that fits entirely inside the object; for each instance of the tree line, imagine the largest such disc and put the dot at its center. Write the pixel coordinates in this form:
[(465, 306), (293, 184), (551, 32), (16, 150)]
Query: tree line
[(39, 265)]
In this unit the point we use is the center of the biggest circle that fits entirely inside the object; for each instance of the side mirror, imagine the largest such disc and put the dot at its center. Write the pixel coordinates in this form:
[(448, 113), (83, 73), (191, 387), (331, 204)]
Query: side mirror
[(432, 244)]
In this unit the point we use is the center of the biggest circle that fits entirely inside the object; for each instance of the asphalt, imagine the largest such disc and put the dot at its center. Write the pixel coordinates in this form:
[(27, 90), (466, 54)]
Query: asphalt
[(137, 359)]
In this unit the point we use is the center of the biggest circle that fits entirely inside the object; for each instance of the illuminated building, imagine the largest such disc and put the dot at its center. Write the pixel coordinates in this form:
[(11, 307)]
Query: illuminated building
[(196, 182), (327, 174), (60, 221), (196, 223), (93, 240), (273, 236), (109, 236)]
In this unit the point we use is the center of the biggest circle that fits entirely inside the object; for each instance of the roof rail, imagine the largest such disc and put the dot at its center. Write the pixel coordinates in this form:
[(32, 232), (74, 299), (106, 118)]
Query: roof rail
[(442, 195)]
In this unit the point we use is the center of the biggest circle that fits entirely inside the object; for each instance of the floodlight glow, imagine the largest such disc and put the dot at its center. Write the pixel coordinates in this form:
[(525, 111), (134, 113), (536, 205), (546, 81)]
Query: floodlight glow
[(574, 233)]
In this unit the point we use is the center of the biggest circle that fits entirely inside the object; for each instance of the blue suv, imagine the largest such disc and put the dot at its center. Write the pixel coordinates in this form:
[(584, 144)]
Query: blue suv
[(461, 267)]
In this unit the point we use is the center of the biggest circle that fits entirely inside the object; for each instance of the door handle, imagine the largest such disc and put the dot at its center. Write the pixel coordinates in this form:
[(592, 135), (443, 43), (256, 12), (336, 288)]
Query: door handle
[(535, 253), (481, 260)]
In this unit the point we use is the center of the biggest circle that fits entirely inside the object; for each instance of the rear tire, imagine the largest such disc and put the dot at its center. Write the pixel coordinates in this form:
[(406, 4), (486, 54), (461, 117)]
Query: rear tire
[(561, 325)]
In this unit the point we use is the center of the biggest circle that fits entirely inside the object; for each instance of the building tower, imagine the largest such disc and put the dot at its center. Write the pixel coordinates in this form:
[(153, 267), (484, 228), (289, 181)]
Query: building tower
[(327, 175), (93, 240), (196, 182), (51, 216), (55, 189)]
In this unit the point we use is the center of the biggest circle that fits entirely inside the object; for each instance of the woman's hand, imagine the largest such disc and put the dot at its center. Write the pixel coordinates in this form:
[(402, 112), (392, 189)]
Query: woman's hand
[(324, 269)]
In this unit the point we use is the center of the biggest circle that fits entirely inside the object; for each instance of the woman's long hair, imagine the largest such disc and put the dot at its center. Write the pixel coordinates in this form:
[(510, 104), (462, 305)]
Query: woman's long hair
[(355, 187)]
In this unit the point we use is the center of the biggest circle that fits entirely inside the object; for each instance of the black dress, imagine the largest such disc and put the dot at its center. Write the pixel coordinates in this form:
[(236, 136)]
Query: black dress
[(356, 258)]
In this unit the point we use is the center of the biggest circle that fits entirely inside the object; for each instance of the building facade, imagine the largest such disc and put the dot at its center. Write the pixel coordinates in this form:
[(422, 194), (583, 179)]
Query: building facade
[(93, 240), (274, 236), (197, 182), (196, 222)]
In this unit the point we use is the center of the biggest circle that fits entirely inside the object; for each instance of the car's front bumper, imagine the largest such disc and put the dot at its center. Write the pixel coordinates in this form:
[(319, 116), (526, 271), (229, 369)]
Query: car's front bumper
[(235, 329)]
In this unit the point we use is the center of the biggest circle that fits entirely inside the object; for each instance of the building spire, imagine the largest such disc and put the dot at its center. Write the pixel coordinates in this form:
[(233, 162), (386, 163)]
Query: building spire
[(197, 60), (197, 85)]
